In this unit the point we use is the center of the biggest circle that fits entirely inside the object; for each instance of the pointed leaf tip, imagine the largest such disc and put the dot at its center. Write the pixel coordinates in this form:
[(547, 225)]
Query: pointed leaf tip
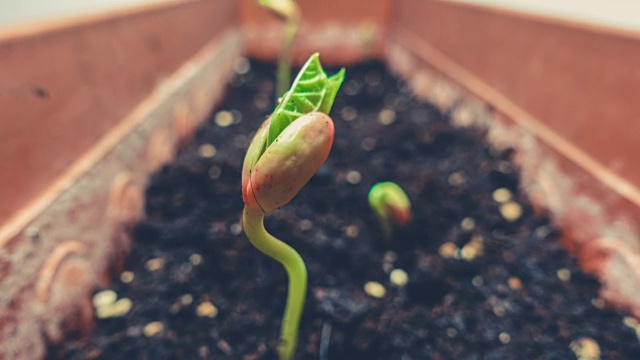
[(312, 90)]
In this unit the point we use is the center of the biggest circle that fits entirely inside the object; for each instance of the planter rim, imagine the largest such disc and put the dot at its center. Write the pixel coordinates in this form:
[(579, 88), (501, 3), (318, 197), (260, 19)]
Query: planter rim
[(47, 27), (549, 19)]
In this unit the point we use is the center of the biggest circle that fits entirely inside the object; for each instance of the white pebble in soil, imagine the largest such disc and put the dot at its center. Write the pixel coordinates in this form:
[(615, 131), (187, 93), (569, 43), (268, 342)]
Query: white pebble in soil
[(127, 277), (207, 151), (223, 118), (399, 277), (154, 264), (511, 211), (207, 309), (501, 195), (353, 177), (195, 259), (375, 289), (387, 117), (585, 348), (153, 328), (468, 224)]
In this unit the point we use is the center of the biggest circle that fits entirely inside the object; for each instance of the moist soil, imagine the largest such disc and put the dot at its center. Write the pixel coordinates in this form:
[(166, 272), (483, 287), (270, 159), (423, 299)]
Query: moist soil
[(487, 278)]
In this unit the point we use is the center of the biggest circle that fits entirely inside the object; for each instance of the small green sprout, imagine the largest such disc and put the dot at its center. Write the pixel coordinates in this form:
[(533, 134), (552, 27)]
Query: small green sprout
[(391, 204), (286, 151), (290, 12)]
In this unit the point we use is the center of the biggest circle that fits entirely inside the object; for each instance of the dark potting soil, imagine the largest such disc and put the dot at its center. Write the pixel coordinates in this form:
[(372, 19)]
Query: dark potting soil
[(487, 278)]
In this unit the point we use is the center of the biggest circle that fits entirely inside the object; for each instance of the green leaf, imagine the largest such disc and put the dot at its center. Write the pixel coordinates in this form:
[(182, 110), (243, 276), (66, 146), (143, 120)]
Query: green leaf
[(311, 91)]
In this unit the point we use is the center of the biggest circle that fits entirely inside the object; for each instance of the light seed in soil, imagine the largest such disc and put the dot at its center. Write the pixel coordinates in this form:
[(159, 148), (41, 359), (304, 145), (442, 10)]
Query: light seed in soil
[(511, 211), (375, 289), (207, 151), (457, 178), (387, 117), (353, 177), (514, 283), (399, 277), (564, 274), (186, 299), (207, 309), (117, 309), (473, 248), (448, 250), (451, 332), (127, 277), (153, 328), (223, 118), (351, 231), (235, 229), (502, 195), (195, 259), (104, 298), (585, 348), (468, 253), (468, 224), (154, 264), (504, 337)]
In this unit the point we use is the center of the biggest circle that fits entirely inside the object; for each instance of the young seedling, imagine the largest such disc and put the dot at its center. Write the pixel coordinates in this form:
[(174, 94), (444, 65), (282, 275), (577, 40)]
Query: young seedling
[(286, 151), (290, 12), (391, 204)]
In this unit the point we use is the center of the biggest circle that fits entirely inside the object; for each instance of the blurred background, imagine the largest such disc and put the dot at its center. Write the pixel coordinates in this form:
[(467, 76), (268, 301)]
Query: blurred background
[(25, 11), (616, 13)]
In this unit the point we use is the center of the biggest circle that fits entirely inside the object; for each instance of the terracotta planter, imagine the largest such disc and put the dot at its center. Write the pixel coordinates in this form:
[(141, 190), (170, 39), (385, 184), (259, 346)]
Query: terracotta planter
[(119, 92)]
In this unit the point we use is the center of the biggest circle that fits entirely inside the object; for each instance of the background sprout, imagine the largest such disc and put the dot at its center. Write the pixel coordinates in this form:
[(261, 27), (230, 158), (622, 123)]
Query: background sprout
[(286, 151), (289, 10), (391, 204)]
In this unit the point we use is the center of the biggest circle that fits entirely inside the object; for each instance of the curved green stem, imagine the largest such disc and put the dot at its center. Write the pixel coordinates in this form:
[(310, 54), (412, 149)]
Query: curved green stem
[(283, 76), (253, 222)]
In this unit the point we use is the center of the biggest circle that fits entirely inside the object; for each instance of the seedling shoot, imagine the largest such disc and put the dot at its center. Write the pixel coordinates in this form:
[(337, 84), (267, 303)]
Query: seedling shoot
[(390, 204), (286, 151)]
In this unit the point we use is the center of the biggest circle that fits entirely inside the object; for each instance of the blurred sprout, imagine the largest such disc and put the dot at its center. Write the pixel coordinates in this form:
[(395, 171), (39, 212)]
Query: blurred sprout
[(391, 204), (290, 12)]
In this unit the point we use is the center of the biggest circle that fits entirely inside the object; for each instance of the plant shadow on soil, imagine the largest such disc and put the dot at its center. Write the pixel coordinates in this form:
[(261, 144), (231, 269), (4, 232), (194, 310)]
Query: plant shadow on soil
[(480, 286)]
